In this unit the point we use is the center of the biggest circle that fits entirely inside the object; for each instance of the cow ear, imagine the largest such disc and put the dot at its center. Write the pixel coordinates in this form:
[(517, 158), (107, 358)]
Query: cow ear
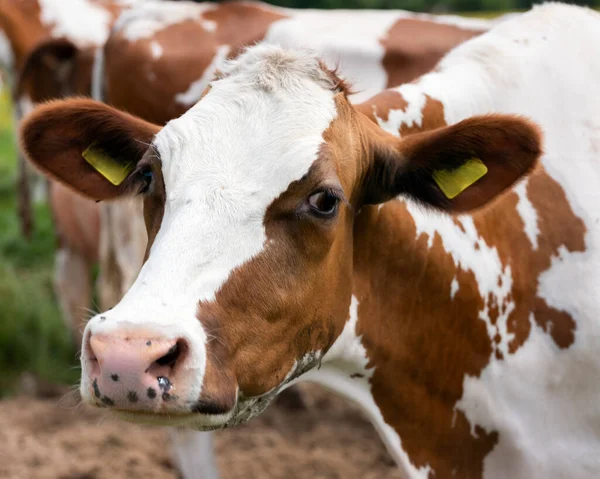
[(46, 73), (457, 168), (87, 145)]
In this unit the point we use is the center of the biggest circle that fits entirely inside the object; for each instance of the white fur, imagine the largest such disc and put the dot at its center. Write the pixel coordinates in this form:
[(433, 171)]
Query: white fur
[(350, 40), (193, 453), (528, 214), (454, 287), (156, 50), (148, 18), (83, 22), (98, 74)]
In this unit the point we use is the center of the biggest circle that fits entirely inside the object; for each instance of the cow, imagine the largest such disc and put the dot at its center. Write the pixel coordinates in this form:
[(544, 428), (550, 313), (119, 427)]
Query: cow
[(27, 24), (430, 253), (381, 54), (40, 38)]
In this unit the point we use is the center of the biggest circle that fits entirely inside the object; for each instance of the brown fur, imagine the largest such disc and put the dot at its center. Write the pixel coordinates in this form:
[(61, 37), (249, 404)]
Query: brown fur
[(406, 54)]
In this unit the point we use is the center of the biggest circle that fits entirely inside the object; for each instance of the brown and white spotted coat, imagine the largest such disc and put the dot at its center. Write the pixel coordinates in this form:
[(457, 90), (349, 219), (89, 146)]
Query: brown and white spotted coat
[(292, 237)]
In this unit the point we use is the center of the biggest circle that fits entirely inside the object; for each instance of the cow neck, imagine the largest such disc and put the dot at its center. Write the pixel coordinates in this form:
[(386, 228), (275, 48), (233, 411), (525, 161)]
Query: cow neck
[(388, 358)]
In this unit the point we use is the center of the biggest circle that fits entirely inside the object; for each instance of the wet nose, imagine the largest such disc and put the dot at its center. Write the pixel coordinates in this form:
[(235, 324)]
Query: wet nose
[(136, 373)]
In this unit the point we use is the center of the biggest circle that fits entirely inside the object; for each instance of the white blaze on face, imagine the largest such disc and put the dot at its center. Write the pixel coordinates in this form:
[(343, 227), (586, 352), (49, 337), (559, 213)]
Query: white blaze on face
[(80, 21), (224, 162)]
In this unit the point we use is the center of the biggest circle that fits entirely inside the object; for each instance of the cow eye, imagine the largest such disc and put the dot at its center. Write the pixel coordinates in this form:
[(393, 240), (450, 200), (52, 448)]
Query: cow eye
[(323, 203), (147, 177)]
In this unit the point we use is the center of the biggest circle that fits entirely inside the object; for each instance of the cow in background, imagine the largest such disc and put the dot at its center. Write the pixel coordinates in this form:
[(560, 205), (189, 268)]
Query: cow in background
[(29, 30)]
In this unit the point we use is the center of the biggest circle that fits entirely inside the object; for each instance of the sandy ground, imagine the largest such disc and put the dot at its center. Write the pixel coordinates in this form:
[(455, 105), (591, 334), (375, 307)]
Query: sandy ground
[(53, 439)]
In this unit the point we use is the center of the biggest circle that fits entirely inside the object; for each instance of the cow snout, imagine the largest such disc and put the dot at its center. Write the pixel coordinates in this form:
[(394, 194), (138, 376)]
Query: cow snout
[(137, 373)]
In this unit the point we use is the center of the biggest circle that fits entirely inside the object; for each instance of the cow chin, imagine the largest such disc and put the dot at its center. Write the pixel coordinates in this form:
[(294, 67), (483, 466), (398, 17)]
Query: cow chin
[(196, 421), (244, 410)]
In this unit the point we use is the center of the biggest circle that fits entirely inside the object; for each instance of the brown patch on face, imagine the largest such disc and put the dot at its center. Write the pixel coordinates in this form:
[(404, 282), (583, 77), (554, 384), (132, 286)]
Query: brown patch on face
[(292, 299), (407, 56), (188, 50), (154, 201)]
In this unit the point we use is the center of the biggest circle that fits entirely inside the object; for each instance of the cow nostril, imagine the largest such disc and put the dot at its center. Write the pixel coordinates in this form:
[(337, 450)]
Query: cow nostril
[(171, 357)]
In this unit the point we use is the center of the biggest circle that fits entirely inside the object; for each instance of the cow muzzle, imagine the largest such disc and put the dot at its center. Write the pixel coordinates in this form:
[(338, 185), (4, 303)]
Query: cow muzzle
[(147, 376)]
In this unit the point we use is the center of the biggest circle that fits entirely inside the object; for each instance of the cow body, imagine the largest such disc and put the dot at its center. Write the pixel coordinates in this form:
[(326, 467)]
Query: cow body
[(292, 237), (175, 48), (478, 359)]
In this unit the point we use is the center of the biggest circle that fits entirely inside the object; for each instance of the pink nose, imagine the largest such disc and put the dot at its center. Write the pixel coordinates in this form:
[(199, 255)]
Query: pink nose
[(136, 373)]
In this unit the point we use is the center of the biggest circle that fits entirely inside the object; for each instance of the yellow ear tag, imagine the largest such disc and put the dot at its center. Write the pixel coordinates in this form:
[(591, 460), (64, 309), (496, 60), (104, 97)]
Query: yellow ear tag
[(111, 169), (454, 182)]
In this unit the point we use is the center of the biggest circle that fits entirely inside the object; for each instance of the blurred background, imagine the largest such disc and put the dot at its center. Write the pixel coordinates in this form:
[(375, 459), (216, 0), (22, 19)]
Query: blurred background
[(39, 360)]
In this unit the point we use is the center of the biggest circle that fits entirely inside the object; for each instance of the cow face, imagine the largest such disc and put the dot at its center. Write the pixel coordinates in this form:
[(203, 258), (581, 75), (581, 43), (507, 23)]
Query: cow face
[(249, 204)]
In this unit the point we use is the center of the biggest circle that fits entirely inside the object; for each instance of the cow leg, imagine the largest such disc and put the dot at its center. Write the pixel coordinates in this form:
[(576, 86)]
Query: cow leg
[(24, 198), (72, 284), (194, 453)]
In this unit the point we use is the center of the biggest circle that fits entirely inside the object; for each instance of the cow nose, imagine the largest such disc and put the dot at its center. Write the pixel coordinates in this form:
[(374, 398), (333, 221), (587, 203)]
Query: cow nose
[(136, 373)]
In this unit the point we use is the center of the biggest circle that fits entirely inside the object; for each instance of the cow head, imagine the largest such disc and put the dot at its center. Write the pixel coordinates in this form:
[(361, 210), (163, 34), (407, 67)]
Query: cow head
[(250, 200)]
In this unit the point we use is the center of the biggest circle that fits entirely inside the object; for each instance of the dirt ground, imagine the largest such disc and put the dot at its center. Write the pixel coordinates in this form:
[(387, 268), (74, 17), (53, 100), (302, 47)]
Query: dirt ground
[(54, 439)]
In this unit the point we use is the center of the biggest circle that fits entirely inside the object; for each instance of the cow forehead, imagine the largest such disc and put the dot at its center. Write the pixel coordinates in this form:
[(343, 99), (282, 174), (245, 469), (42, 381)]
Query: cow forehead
[(223, 163), (246, 140)]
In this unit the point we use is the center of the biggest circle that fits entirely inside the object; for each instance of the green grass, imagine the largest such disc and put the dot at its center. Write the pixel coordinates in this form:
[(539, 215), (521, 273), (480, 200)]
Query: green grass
[(32, 334)]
